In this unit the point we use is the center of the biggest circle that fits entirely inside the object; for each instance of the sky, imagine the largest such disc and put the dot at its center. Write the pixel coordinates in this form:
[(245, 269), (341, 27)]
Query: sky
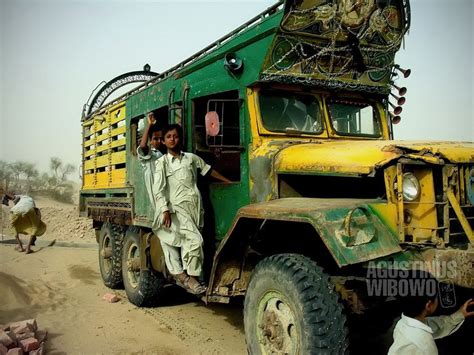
[(53, 53)]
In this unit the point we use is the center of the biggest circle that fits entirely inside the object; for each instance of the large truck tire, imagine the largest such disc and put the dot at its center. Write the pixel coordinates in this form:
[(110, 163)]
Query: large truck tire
[(143, 287), (110, 254), (291, 308)]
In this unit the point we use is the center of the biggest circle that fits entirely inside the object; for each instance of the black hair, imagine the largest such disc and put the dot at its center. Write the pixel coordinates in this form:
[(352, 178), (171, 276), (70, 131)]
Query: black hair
[(424, 288), (176, 127), (153, 128)]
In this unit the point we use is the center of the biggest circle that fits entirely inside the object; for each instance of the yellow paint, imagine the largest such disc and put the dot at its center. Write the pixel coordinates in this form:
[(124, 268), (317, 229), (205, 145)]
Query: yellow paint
[(118, 157), (424, 221), (100, 134), (462, 218), (388, 213), (117, 131), (89, 143), (331, 156), (89, 164)]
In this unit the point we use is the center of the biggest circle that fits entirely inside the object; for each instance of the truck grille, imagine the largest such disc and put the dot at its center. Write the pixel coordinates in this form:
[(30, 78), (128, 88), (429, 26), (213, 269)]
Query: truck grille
[(464, 196)]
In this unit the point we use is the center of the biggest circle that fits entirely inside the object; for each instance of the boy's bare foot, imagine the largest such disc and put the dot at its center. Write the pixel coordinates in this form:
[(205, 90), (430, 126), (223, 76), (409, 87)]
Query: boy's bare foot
[(19, 248), (29, 251)]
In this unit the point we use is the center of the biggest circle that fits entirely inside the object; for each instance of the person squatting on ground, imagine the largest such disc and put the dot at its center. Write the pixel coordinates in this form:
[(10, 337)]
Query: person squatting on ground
[(416, 331), (179, 213), (148, 156), (25, 218)]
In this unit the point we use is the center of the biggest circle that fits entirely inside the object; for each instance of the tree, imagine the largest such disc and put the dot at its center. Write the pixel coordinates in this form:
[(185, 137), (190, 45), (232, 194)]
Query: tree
[(6, 174), (66, 170), (55, 164)]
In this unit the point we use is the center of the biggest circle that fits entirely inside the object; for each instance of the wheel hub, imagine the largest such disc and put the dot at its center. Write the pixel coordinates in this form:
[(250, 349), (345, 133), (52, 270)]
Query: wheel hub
[(276, 325)]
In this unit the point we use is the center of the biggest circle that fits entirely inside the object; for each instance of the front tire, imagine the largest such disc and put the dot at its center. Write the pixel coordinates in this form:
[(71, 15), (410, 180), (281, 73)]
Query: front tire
[(143, 287), (110, 254), (291, 307)]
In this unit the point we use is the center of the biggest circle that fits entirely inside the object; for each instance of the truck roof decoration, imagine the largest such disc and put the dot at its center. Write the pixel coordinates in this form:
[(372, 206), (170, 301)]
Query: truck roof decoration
[(342, 44)]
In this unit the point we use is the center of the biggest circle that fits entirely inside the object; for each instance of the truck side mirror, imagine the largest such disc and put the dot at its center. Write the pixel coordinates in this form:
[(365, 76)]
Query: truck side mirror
[(212, 123)]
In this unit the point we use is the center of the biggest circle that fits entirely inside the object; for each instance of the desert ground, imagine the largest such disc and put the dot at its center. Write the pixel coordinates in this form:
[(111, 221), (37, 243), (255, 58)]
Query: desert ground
[(60, 286)]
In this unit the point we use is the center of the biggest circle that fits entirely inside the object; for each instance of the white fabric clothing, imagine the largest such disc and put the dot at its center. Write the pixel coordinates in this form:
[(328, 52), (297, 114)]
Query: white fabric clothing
[(148, 165), (176, 191), (413, 337), (24, 204)]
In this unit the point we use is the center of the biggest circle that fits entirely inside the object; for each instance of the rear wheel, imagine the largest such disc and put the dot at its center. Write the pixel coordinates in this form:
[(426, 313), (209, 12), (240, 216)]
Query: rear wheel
[(143, 287), (110, 254), (291, 308)]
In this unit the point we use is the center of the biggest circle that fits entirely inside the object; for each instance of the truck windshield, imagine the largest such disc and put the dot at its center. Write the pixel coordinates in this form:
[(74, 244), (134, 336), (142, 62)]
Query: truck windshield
[(290, 112), (354, 118)]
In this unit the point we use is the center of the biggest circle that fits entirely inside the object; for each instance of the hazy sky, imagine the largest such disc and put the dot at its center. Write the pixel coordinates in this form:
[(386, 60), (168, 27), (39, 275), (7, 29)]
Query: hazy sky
[(54, 53)]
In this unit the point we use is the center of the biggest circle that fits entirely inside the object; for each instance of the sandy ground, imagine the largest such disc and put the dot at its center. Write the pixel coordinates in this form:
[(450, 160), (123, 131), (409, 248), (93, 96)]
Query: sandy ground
[(62, 288)]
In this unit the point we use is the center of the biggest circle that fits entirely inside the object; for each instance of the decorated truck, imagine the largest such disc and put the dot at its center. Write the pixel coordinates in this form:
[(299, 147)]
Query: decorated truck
[(296, 107)]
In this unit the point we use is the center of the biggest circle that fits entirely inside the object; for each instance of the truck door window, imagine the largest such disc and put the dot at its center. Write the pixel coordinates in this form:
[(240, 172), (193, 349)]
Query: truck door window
[(222, 151), (290, 112), (354, 118)]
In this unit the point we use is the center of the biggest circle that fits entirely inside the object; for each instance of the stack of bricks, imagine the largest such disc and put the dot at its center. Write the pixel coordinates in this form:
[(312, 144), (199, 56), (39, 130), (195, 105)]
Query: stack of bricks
[(22, 337)]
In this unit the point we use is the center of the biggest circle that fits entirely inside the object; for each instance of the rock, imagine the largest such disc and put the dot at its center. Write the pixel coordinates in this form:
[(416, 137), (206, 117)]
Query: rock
[(111, 298)]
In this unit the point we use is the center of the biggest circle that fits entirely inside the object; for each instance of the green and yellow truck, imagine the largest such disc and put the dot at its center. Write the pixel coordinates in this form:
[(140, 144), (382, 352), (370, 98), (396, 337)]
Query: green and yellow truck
[(300, 96)]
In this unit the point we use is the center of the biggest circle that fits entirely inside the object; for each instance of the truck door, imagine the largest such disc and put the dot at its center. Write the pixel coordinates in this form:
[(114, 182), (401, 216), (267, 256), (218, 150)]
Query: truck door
[(220, 143)]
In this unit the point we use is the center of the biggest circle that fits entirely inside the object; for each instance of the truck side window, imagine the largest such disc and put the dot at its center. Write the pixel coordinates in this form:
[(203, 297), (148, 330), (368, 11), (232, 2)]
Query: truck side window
[(222, 150), (137, 126)]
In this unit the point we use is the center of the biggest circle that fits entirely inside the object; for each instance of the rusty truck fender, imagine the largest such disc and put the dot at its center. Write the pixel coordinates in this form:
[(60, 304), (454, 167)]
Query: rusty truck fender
[(350, 229)]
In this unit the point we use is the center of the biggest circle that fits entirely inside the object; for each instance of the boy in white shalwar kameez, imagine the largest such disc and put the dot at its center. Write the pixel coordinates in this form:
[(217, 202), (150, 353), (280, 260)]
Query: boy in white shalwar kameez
[(416, 331), (179, 212)]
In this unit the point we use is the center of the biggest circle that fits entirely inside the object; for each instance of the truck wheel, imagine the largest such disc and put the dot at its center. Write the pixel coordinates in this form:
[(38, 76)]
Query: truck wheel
[(110, 254), (291, 308), (143, 287)]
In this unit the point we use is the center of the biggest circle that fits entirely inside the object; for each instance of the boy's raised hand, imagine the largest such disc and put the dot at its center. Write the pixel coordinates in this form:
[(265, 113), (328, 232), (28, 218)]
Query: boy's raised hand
[(464, 308), (151, 118)]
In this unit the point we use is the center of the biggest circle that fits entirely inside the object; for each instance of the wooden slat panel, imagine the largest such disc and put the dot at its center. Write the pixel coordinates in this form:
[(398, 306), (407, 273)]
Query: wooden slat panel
[(113, 111), (102, 161), (88, 153), (102, 179), (118, 157), (118, 178), (119, 142), (89, 143), (101, 148), (88, 181), (102, 137), (117, 131), (89, 164)]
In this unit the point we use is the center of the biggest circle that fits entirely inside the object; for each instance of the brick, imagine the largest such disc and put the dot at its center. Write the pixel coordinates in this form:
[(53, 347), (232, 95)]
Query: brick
[(111, 298), (15, 351), (39, 351), (21, 329), (3, 349), (5, 339), (26, 335), (24, 325), (29, 344)]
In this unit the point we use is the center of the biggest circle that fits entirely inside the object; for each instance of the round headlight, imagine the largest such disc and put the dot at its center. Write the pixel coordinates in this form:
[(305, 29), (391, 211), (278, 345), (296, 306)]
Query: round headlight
[(411, 187)]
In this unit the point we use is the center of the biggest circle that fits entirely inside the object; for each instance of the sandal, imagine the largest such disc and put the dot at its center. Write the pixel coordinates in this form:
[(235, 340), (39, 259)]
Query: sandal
[(197, 289)]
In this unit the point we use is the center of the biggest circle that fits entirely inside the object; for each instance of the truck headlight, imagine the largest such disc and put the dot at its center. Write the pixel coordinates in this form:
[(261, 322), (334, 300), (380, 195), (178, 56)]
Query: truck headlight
[(411, 187)]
